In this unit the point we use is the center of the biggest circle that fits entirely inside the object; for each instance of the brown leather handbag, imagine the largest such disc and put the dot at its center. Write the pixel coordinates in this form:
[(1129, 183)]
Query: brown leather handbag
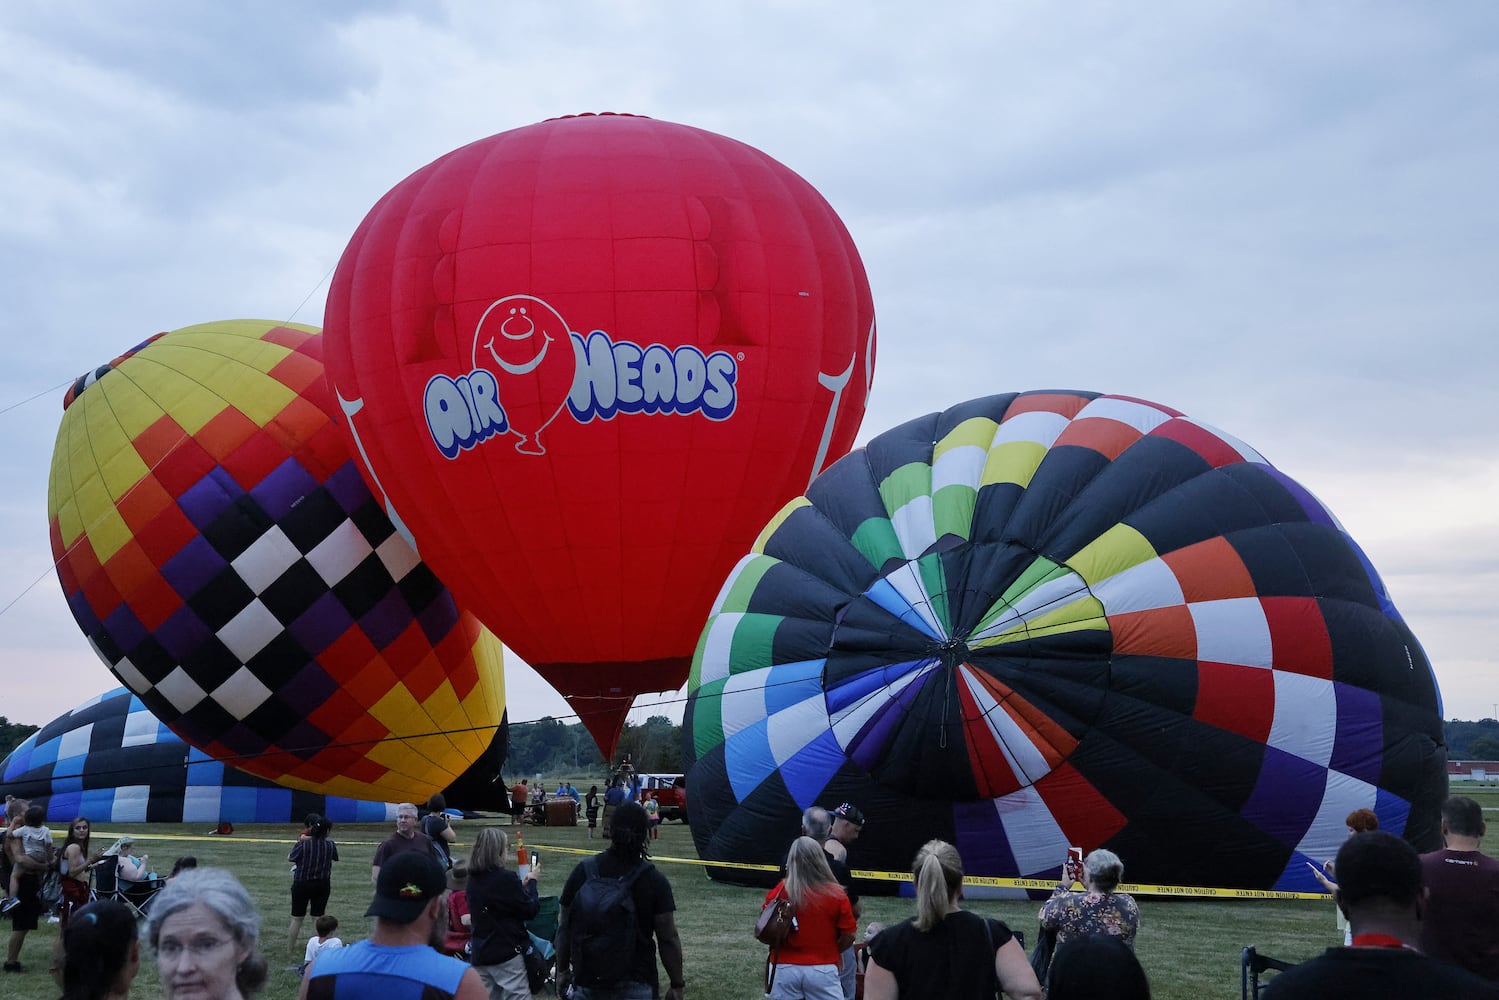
[(775, 924)]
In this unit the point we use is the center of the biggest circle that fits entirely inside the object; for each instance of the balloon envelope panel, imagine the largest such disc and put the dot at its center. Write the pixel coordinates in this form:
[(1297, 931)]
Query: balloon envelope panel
[(1056, 619), (111, 760), (221, 552), (586, 359)]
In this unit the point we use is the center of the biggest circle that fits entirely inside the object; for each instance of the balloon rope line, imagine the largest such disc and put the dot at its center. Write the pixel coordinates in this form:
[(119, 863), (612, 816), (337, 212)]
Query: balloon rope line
[(311, 292), (27, 589), (39, 395)]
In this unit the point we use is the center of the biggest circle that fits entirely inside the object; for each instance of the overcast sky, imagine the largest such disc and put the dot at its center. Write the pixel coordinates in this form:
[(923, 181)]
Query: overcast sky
[(1282, 219)]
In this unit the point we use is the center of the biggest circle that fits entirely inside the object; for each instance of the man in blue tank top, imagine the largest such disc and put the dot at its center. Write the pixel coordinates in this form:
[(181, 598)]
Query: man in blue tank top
[(397, 961)]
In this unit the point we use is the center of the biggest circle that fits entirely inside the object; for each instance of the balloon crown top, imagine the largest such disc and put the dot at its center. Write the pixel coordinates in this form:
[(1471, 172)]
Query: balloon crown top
[(87, 379), (596, 114)]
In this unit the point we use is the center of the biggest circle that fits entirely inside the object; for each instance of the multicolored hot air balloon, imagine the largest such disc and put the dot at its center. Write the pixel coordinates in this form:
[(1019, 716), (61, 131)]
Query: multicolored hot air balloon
[(218, 547), (1049, 619), (584, 361), (110, 759)]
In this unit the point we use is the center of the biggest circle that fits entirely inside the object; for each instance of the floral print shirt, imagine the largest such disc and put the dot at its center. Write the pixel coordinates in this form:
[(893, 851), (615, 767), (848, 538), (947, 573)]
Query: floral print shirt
[(1080, 913)]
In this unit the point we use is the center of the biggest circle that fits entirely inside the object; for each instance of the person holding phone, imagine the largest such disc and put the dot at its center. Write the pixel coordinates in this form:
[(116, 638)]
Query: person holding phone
[(1358, 821), (1099, 909), (499, 903)]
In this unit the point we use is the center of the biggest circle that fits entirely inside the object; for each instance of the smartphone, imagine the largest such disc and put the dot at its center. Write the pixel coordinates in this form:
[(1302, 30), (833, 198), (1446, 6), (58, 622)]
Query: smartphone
[(1073, 869)]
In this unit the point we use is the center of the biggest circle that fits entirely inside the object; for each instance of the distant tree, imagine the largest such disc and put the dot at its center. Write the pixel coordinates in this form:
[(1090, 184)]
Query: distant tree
[(1483, 748), (548, 746), (1460, 736), (13, 734), (653, 746)]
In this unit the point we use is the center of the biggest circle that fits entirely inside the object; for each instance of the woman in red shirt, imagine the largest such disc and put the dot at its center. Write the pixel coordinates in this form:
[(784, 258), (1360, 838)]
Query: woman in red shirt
[(823, 928)]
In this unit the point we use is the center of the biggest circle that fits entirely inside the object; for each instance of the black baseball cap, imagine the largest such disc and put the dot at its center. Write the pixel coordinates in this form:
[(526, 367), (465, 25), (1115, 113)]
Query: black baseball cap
[(851, 813), (406, 884)]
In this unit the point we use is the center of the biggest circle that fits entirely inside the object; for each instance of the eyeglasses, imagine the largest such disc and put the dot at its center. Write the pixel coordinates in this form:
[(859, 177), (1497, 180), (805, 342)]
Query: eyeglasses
[(199, 947)]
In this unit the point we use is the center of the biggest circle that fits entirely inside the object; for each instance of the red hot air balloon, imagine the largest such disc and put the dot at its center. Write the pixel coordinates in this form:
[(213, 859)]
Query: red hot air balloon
[(584, 361)]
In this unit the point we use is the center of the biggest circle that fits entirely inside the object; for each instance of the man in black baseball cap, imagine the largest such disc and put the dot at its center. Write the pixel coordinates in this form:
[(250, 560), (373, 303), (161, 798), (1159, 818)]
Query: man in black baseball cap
[(848, 821), (397, 960)]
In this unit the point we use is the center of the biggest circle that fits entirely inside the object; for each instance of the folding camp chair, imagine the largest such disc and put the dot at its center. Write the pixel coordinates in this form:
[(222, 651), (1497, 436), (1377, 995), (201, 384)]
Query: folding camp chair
[(136, 895), (1252, 965), (543, 931)]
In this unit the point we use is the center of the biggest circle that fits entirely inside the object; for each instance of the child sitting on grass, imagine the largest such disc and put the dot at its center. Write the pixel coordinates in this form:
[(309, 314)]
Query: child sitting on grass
[(325, 941)]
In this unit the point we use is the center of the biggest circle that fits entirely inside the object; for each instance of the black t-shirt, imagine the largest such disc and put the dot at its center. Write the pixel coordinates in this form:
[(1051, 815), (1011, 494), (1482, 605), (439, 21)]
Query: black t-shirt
[(653, 897), (952, 961), (1378, 974), (432, 825), (844, 876)]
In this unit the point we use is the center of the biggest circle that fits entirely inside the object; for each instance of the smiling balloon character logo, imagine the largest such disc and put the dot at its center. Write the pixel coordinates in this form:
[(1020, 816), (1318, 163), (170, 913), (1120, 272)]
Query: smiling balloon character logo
[(528, 342), (528, 366)]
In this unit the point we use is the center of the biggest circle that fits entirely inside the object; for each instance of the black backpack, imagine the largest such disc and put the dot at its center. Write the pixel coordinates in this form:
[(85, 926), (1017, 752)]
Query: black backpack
[(603, 921)]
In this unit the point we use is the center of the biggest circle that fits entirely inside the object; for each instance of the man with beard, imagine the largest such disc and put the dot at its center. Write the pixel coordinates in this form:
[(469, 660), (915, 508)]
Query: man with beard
[(398, 961)]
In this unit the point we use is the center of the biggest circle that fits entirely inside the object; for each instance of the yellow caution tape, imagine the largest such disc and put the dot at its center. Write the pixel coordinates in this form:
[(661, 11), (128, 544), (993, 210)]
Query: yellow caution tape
[(991, 881), (1133, 888)]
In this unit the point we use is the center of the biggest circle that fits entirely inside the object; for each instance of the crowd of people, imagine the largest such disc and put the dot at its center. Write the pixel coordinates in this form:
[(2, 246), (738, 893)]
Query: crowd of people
[(451, 926), (1419, 925)]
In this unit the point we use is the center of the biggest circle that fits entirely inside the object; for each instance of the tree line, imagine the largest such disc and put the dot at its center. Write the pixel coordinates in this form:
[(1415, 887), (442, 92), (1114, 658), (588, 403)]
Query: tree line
[(550, 746)]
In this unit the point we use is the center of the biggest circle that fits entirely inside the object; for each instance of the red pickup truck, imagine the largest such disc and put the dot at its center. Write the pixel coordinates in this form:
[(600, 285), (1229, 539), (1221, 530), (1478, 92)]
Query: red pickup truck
[(670, 791)]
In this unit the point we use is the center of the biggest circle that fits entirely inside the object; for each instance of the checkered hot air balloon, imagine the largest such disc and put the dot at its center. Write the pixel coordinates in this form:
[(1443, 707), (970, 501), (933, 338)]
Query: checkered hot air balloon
[(1049, 619), (218, 547), (110, 759)]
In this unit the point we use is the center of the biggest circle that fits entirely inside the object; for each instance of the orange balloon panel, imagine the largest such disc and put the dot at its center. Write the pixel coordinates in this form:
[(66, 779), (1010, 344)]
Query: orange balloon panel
[(218, 547)]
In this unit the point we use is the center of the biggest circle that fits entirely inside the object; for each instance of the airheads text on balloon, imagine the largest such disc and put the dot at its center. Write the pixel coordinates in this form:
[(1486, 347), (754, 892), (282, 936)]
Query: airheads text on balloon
[(610, 378)]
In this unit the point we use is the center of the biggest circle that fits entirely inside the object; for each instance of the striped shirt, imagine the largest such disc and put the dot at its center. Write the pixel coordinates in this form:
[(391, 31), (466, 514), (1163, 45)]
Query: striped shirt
[(314, 857)]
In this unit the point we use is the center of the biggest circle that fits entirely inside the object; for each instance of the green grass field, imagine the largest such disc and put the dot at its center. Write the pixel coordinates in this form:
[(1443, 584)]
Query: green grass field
[(1190, 947)]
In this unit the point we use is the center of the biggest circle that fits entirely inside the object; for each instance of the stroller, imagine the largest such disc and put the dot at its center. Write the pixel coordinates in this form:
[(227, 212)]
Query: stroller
[(543, 931)]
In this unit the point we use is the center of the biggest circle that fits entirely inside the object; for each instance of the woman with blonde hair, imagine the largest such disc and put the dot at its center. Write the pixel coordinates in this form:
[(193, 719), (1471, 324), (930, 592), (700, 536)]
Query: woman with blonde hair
[(499, 904), (945, 951), (807, 963)]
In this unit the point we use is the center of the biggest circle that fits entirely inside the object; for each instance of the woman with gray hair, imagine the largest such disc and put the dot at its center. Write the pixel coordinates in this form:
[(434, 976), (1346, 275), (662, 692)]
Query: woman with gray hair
[(204, 930), (1096, 910)]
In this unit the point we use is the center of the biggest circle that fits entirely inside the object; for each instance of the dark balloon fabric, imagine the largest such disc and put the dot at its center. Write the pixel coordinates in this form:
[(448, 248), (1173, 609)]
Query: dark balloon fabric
[(110, 759), (219, 549), (1054, 619), (584, 361)]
